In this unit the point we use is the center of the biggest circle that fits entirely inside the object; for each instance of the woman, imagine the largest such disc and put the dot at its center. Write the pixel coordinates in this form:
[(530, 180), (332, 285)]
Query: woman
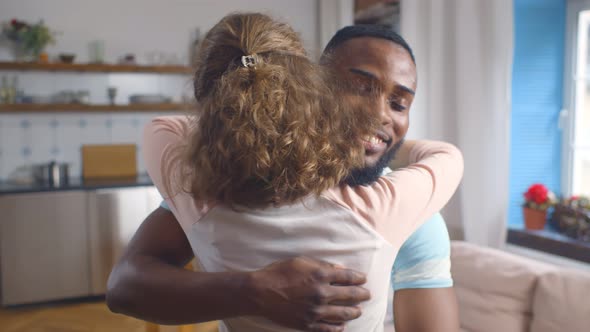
[(264, 160)]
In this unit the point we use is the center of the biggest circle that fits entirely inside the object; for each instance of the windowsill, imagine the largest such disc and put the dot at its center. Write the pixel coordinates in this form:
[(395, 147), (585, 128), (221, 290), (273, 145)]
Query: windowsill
[(550, 242)]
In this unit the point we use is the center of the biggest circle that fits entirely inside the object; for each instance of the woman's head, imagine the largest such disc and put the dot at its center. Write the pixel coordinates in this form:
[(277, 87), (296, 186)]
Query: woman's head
[(239, 35), (268, 128)]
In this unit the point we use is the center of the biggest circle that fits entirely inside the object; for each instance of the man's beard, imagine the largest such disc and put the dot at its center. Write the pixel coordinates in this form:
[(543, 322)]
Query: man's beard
[(367, 175)]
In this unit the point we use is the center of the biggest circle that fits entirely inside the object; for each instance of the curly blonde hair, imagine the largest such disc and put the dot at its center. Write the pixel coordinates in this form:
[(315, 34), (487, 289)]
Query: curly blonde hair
[(270, 133)]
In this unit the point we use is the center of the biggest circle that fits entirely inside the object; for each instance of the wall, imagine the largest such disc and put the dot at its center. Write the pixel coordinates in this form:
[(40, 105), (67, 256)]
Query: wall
[(141, 27), (536, 98)]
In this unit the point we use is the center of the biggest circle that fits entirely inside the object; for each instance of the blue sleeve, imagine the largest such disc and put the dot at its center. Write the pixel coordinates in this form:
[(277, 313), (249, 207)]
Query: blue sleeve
[(424, 261), (164, 205)]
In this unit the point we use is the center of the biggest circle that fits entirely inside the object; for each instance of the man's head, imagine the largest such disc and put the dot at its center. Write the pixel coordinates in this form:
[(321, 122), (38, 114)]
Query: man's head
[(379, 68)]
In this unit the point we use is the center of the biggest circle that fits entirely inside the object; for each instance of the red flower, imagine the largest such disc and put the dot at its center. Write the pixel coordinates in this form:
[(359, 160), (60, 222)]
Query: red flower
[(14, 21), (537, 193)]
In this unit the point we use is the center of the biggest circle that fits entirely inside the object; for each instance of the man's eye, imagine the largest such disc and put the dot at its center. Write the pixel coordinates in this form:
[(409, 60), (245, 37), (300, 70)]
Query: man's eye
[(396, 106)]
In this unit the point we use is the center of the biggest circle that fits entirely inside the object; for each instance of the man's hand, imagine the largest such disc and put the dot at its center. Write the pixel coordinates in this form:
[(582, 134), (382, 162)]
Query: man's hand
[(308, 294)]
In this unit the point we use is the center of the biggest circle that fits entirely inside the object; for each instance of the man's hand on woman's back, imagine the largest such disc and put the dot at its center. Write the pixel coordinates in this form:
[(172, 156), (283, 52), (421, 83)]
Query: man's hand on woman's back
[(309, 294), (150, 283)]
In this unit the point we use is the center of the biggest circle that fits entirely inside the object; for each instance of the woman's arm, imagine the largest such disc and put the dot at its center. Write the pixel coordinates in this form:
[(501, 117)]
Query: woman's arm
[(414, 193), (399, 202)]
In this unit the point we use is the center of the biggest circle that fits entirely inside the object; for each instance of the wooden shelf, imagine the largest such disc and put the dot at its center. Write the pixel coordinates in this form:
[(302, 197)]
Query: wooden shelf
[(95, 68), (62, 108)]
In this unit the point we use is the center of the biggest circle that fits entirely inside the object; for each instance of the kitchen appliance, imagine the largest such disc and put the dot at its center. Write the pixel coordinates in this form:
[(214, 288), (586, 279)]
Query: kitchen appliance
[(114, 215), (53, 174)]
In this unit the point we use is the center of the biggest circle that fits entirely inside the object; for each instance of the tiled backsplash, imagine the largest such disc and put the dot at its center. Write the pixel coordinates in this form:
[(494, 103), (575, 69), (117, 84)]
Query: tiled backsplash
[(27, 139)]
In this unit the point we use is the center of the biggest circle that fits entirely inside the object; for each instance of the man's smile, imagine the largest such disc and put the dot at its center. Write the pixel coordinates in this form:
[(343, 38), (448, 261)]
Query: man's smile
[(377, 143)]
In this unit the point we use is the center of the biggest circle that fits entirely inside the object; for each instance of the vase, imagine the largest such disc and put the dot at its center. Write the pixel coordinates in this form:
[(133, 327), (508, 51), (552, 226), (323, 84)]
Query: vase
[(534, 219), (23, 54)]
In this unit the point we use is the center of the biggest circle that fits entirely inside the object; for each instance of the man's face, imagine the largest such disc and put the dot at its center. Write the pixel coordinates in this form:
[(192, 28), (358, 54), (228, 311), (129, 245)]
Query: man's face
[(382, 76)]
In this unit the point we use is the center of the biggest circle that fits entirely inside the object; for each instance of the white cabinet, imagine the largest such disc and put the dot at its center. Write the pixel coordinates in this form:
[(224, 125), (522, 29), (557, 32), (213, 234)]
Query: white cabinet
[(58, 245), (44, 250)]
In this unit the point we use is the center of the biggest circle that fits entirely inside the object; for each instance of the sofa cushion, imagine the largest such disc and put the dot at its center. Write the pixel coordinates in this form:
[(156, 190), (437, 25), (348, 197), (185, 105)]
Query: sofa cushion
[(562, 302), (494, 288)]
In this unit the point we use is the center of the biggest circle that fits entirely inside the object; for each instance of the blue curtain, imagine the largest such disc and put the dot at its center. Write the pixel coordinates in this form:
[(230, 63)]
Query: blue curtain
[(537, 90)]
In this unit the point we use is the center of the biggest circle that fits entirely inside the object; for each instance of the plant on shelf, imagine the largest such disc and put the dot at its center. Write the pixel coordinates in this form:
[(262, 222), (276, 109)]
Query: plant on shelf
[(537, 200), (572, 217), (29, 39)]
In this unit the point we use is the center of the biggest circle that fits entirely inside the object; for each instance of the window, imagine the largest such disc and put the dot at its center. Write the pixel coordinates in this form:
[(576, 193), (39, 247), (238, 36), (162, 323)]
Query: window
[(576, 115), (550, 114)]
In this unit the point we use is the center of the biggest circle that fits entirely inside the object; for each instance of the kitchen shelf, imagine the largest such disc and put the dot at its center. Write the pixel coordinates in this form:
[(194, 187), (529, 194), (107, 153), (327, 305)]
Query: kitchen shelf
[(59, 108), (95, 68)]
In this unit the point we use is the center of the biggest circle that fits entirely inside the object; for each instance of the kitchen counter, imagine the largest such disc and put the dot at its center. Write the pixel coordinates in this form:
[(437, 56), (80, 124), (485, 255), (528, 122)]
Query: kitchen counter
[(76, 184), (81, 230)]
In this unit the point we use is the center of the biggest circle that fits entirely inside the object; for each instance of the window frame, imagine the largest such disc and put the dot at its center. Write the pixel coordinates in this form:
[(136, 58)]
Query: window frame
[(567, 116)]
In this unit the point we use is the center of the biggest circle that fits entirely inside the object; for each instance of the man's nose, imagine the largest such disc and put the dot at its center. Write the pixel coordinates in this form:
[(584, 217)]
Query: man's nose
[(384, 112)]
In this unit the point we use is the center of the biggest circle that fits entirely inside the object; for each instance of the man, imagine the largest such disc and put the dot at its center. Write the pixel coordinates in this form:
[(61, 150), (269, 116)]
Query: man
[(377, 58), (300, 292)]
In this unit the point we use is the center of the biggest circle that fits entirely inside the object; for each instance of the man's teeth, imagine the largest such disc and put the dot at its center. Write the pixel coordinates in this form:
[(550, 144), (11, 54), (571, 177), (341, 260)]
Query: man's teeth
[(374, 140)]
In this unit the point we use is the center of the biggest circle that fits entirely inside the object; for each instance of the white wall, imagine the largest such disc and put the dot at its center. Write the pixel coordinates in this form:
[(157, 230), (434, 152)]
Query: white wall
[(126, 26), (142, 26), (334, 14)]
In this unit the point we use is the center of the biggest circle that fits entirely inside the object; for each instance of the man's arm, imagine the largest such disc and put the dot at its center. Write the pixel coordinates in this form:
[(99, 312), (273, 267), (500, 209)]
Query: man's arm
[(424, 298), (426, 310), (150, 283)]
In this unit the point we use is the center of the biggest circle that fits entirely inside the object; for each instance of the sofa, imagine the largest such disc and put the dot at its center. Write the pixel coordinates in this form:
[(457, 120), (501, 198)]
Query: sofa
[(501, 292)]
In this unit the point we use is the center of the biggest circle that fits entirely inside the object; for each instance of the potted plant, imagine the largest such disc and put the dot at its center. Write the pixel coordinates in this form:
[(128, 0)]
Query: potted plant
[(29, 39), (537, 200), (572, 217)]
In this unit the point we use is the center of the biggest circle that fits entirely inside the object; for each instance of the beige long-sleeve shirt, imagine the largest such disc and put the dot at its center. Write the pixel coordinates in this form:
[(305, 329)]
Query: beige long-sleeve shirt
[(358, 227)]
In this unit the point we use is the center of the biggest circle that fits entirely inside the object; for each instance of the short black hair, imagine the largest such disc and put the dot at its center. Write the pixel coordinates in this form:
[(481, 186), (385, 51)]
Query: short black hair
[(367, 30)]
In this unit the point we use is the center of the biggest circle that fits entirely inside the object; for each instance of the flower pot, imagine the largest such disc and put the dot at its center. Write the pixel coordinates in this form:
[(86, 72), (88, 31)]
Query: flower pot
[(534, 219)]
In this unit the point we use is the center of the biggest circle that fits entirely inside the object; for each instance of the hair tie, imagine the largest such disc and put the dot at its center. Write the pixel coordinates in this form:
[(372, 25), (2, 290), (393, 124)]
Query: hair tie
[(249, 61)]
